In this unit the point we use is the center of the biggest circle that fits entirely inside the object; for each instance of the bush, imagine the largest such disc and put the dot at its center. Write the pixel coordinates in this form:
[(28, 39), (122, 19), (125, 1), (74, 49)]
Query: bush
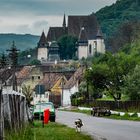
[(134, 114), (126, 115), (76, 101), (118, 114)]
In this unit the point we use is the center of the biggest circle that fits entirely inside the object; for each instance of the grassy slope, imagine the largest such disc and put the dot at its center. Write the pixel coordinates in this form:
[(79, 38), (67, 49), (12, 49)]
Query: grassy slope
[(51, 131)]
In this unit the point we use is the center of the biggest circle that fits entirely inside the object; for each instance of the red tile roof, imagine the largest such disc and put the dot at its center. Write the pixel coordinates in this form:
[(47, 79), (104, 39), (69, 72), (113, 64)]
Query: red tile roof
[(78, 75), (50, 80), (23, 74)]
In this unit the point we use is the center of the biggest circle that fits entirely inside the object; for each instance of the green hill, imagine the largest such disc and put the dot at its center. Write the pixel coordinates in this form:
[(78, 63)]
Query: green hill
[(110, 17), (22, 42)]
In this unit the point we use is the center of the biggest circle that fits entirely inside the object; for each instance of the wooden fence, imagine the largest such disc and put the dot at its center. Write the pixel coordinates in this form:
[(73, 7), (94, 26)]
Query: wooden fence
[(13, 113), (1, 118), (122, 105), (56, 99)]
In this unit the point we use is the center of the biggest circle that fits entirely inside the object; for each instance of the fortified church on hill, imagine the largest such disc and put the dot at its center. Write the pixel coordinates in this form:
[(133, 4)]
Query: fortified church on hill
[(85, 28)]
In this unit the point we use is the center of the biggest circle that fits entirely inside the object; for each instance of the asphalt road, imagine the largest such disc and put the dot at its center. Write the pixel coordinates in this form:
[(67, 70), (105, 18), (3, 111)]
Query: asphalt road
[(101, 128)]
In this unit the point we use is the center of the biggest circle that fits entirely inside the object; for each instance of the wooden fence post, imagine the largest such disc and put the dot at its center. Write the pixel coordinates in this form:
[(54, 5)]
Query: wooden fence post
[(1, 118)]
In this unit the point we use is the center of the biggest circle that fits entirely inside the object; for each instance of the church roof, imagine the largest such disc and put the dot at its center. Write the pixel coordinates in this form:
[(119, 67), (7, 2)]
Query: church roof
[(99, 34), (75, 23), (43, 41), (64, 21), (82, 35), (42, 38), (55, 33), (54, 45), (90, 24)]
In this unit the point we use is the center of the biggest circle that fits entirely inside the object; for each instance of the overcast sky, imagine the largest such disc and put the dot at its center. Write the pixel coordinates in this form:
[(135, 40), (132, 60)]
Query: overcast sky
[(34, 16)]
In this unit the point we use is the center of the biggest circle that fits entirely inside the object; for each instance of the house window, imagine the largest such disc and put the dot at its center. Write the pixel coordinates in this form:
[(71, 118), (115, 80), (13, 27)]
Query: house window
[(90, 49), (47, 95), (38, 77), (33, 78)]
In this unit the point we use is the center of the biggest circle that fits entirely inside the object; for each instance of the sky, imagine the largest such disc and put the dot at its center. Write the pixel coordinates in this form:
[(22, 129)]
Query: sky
[(35, 16)]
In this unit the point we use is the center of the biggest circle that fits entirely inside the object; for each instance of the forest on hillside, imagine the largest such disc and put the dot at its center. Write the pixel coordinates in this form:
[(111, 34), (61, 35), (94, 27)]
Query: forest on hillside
[(111, 17), (22, 41)]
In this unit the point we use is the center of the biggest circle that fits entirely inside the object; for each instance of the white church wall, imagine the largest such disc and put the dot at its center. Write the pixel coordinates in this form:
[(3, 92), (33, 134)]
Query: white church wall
[(93, 46), (100, 46), (82, 52), (42, 54)]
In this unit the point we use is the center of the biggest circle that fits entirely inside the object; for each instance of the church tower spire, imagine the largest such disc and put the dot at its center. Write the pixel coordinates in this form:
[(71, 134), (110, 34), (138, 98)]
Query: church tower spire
[(64, 21)]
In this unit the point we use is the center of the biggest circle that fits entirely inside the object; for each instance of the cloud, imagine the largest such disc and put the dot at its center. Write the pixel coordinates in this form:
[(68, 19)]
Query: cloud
[(55, 7), (31, 25), (32, 16), (40, 24), (25, 28)]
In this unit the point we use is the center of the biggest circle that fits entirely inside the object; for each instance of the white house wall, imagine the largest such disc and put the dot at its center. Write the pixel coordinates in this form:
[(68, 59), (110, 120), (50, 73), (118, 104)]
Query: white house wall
[(43, 98), (67, 94)]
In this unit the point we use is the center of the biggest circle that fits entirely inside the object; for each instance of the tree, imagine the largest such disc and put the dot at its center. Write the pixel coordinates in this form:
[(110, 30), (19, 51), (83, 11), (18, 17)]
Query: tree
[(35, 62), (107, 74), (127, 33), (28, 92), (132, 84), (13, 55), (67, 46), (3, 61)]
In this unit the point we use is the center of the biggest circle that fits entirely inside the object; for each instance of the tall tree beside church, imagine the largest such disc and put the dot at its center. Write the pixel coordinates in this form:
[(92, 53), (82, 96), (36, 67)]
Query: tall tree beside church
[(67, 47)]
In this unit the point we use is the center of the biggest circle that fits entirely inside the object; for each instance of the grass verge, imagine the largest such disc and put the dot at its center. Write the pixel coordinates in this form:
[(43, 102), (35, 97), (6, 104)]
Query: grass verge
[(124, 117), (51, 131), (113, 116)]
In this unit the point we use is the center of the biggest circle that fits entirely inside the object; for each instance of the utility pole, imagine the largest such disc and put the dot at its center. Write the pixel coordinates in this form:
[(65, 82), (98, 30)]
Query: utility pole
[(87, 84), (62, 90), (14, 60)]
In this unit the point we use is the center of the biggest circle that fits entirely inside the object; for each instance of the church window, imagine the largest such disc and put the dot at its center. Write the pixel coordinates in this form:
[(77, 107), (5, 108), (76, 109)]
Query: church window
[(95, 42), (90, 49), (38, 77)]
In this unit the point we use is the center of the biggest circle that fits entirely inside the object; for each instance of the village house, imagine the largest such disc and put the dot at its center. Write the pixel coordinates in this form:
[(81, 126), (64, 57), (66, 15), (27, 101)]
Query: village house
[(72, 86), (54, 82)]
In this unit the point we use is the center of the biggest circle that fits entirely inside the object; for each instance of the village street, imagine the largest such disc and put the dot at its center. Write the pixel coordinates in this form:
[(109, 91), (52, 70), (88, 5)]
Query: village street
[(101, 128)]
